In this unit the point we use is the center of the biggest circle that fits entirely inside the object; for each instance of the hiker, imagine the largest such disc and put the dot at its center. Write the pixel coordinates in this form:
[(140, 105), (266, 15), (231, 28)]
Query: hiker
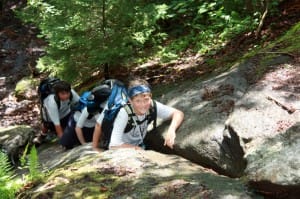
[(140, 103), (56, 109), (81, 125)]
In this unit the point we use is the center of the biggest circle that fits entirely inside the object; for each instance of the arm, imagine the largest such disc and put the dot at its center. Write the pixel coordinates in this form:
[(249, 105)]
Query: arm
[(96, 137), (79, 134), (53, 113), (177, 118), (79, 125), (120, 123), (59, 130), (166, 112)]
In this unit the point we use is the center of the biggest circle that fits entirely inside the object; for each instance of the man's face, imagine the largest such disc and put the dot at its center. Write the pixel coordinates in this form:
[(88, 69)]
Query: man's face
[(141, 103), (64, 95)]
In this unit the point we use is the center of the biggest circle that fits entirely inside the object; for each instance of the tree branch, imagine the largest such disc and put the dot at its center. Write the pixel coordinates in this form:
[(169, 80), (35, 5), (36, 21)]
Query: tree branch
[(261, 23)]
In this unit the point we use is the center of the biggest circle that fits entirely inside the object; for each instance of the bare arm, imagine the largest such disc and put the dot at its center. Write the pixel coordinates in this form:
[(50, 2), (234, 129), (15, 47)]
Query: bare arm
[(177, 118), (80, 135), (96, 137), (58, 131)]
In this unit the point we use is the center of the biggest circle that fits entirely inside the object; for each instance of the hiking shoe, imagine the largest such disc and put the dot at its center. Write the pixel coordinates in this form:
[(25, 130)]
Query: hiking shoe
[(39, 139), (50, 137)]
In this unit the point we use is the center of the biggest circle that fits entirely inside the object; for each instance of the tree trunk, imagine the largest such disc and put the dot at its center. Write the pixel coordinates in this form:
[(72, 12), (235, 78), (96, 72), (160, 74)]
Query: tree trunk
[(106, 65)]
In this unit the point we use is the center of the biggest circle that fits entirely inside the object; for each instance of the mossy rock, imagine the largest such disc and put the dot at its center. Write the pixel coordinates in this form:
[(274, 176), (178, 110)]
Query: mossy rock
[(26, 88)]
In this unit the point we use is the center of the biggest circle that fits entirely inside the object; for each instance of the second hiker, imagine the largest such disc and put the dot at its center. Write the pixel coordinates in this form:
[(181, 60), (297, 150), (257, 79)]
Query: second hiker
[(81, 125)]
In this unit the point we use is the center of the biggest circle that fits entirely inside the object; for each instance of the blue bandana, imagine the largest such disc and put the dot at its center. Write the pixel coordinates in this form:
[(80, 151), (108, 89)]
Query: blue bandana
[(138, 90)]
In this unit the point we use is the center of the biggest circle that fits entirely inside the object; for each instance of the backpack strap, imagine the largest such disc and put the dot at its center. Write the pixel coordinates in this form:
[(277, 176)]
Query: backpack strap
[(131, 121), (57, 100), (151, 115)]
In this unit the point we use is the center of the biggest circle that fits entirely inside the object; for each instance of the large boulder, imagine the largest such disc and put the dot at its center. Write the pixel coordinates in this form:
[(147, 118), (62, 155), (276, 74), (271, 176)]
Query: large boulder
[(13, 140), (227, 114), (274, 167), (129, 173), (203, 136), (268, 108)]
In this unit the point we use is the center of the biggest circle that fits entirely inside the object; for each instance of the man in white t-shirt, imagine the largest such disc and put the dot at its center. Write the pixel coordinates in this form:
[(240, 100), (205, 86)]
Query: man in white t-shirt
[(140, 103), (57, 110)]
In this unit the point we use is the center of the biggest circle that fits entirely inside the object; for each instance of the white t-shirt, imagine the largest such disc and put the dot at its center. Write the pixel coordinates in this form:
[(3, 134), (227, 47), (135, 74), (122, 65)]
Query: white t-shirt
[(53, 114), (136, 135), (82, 120)]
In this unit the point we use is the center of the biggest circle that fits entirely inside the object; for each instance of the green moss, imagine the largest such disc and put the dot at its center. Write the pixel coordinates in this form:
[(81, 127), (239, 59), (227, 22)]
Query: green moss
[(24, 84), (77, 180), (288, 43)]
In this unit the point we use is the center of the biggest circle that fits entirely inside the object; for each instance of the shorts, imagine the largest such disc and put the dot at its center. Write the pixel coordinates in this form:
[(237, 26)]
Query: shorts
[(70, 139)]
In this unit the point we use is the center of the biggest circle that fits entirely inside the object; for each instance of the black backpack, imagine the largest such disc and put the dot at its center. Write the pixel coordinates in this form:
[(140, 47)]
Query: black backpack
[(45, 88), (117, 100)]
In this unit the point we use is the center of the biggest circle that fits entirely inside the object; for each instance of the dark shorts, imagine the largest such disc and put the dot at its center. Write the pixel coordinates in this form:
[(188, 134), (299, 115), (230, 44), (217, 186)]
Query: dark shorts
[(69, 138), (63, 123)]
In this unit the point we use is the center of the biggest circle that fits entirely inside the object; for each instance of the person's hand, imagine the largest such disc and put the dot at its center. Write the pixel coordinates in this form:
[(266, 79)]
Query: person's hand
[(170, 139), (98, 149), (138, 148)]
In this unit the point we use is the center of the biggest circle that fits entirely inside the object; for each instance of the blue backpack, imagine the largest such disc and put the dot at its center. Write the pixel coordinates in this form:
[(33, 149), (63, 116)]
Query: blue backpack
[(85, 100), (93, 100), (118, 99)]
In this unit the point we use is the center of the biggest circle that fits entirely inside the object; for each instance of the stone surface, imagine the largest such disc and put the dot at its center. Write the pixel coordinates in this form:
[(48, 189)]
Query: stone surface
[(128, 173), (14, 139), (227, 116), (203, 136), (275, 165)]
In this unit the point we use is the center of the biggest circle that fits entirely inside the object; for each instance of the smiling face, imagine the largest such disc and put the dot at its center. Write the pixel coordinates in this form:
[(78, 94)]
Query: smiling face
[(141, 103)]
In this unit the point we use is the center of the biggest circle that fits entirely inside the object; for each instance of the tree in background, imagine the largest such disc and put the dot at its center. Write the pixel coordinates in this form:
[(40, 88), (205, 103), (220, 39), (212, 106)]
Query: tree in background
[(83, 35), (86, 35)]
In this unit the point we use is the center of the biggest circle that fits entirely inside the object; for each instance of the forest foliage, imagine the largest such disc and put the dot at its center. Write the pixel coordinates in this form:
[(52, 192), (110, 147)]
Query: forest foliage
[(85, 35)]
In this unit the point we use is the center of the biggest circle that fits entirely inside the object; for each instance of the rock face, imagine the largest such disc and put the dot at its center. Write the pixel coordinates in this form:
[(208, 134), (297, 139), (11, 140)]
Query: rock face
[(203, 137), (128, 173), (275, 165), (13, 139), (227, 115)]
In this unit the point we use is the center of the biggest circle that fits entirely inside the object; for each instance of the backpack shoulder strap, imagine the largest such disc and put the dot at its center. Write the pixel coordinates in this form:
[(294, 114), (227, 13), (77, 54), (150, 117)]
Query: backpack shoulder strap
[(71, 96), (152, 116), (131, 121), (57, 100)]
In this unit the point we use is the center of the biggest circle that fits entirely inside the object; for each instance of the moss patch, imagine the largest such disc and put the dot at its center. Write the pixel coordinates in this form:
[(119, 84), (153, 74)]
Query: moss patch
[(24, 85), (288, 43), (77, 180), (277, 52)]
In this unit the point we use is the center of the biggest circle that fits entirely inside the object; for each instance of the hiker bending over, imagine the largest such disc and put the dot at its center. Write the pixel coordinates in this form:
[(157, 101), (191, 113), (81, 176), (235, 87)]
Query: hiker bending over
[(56, 110), (131, 123), (81, 125)]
